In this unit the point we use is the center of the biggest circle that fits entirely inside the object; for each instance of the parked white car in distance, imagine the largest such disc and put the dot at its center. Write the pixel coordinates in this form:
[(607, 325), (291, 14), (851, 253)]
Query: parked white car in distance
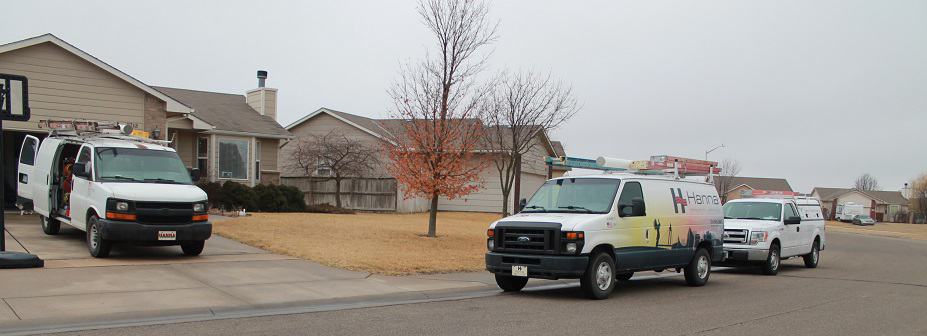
[(768, 230)]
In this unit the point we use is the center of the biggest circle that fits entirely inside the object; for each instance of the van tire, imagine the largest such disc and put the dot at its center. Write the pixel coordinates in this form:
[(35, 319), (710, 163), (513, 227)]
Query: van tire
[(599, 280), (773, 260), (50, 226), (698, 270), (192, 248), (98, 247), (510, 283), (813, 257)]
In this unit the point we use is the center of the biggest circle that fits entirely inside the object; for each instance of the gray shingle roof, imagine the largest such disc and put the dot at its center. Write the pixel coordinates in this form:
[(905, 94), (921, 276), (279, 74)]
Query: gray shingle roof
[(225, 111), (759, 183), (886, 197)]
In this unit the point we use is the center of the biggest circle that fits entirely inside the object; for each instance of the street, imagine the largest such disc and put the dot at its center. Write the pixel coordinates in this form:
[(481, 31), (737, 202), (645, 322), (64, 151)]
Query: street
[(865, 285)]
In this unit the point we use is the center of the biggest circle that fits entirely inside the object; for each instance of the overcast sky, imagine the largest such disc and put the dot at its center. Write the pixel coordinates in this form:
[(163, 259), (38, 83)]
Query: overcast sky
[(816, 92)]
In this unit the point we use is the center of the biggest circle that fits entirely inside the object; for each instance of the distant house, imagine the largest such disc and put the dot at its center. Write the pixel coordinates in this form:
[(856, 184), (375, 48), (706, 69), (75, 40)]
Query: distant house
[(376, 132), (881, 205), (731, 187)]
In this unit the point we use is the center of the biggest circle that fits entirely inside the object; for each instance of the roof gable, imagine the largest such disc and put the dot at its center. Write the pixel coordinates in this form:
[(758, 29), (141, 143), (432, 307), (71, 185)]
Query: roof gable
[(172, 105), (227, 112), (758, 183)]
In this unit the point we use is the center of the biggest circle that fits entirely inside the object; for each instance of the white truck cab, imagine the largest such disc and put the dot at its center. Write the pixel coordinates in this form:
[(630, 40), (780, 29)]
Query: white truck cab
[(603, 228), (768, 230), (114, 187)]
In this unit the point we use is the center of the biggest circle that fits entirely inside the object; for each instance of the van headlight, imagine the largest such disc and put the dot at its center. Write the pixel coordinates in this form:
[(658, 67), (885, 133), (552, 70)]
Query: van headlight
[(122, 206), (571, 248), (199, 207), (757, 237), (490, 244)]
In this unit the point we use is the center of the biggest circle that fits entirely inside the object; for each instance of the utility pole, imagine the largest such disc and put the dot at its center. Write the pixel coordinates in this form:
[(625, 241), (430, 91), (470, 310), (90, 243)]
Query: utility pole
[(712, 150), (10, 259)]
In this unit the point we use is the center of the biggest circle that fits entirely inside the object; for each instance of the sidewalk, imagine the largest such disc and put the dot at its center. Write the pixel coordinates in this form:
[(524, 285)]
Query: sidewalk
[(158, 281)]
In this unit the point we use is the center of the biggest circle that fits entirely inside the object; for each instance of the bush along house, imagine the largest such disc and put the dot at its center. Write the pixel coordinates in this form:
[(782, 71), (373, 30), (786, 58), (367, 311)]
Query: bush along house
[(228, 137)]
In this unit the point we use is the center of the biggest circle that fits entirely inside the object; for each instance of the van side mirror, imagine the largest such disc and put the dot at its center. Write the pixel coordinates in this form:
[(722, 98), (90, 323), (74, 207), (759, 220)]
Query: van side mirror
[(80, 169), (635, 209), (792, 220), (195, 174)]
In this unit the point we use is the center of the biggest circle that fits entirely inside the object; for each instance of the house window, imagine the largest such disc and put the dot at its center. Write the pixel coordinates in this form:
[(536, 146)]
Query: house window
[(323, 167), (233, 159), (202, 153), (257, 161)]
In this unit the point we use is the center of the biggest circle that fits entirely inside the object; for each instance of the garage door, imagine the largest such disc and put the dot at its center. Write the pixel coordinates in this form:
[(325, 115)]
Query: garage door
[(488, 199)]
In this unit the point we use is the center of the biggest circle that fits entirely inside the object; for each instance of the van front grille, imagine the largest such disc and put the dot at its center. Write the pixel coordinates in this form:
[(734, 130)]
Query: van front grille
[(528, 239)]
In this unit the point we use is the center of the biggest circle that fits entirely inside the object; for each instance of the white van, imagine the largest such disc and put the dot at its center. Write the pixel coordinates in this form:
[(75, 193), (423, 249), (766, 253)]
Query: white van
[(603, 228), (766, 231), (846, 212), (117, 188)]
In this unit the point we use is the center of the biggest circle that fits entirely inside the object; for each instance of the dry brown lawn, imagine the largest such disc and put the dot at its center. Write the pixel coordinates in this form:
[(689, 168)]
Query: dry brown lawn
[(371, 242), (898, 230)]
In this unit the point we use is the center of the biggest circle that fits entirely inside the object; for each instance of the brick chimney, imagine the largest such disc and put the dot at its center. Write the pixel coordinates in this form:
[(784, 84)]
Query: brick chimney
[(263, 99)]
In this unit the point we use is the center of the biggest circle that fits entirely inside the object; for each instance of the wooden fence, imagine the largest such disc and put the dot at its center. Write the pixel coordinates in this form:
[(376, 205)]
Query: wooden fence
[(378, 194)]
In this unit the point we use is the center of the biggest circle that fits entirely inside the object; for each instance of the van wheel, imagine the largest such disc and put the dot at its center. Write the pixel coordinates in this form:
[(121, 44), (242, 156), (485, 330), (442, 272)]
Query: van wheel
[(771, 267), (599, 279), (192, 248), (812, 258), (99, 247), (49, 225), (510, 283), (699, 269), (624, 276)]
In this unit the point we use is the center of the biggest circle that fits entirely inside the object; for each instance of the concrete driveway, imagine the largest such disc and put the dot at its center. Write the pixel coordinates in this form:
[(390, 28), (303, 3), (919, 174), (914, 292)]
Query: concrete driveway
[(147, 282)]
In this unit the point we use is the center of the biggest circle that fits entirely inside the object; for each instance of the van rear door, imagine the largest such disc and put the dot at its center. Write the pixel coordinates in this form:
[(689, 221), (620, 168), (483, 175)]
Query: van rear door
[(26, 169)]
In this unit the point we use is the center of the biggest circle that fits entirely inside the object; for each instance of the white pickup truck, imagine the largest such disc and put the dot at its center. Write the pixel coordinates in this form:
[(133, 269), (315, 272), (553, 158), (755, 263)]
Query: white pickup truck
[(768, 230)]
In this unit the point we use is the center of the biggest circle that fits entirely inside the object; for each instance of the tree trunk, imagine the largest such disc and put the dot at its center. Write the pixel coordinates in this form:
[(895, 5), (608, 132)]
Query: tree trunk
[(433, 216), (505, 203), (337, 192)]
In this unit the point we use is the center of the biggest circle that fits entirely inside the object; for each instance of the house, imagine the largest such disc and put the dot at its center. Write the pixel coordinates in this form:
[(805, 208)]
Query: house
[(731, 187), (888, 206), (227, 136), (376, 132)]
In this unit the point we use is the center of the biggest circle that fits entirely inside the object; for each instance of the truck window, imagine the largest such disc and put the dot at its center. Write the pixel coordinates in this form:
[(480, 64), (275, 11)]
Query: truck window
[(140, 165), (790, 211), (583, 195), (753, 210), (27, 157), (631, 191)]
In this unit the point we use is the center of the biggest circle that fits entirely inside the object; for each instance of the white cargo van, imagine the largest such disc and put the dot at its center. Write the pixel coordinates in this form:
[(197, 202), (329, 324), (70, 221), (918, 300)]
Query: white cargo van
[(603, 228), (846, 212), (117, 188), (767, 230)]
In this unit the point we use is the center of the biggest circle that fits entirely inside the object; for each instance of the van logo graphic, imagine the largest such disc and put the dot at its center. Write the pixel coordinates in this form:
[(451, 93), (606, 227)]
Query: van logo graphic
[(679, 202), (524, 239)]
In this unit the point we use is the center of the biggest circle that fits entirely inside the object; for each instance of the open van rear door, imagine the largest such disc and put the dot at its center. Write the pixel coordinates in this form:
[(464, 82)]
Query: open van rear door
[(26, 169)]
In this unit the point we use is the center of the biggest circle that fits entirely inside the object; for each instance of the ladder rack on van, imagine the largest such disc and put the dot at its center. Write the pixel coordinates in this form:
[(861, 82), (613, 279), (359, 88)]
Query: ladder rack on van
[(90, 129), (657, 165), (756, 193)]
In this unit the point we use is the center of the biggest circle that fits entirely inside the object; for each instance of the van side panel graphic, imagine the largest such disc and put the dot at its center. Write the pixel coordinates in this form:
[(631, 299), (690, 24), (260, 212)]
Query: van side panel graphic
[(679, 203)]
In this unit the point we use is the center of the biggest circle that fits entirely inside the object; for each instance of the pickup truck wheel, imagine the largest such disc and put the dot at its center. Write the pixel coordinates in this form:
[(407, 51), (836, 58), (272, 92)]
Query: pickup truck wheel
[(599, 280), (812, 258), (510, 283), (771, 267), (624, 276), (99, 247), (193, 248), (49, 225), (699, 269)]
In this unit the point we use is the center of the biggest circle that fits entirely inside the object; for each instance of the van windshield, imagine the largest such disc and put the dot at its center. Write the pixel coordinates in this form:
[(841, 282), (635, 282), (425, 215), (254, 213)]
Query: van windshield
[(584, 195), (753, 210), (140, 165)]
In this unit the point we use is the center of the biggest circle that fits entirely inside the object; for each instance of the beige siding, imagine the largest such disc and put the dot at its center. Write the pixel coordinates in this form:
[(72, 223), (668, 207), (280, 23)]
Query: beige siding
[(321, 125), (186, 147), (487, 199), (62, 85), (533, 161), (269, 149)]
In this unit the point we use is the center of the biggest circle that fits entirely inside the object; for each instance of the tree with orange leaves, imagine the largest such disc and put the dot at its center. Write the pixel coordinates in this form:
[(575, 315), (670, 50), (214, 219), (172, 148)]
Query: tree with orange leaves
[(432, 153)]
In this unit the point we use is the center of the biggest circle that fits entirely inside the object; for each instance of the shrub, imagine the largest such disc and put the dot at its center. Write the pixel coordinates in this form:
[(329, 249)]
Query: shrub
[(327, 208), (214, 193), (237, 196), (269, 198), (295, 200)]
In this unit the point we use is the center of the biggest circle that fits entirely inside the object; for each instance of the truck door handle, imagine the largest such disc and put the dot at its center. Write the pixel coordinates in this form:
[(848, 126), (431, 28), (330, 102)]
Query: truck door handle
[(798, 229)]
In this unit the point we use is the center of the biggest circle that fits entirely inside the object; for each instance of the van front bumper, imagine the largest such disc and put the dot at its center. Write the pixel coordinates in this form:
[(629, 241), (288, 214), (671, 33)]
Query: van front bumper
[(539, 266), (138, 232)]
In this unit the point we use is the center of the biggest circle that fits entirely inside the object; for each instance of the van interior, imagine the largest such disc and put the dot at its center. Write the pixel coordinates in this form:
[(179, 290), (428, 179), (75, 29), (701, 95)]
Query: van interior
[(61, 179)]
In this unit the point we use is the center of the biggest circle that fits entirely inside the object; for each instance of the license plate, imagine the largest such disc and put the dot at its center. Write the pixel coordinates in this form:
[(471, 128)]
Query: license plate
[(167, 235), (520, 271)]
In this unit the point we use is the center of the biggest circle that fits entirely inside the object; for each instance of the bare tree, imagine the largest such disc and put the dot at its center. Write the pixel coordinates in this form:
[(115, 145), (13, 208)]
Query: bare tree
[(343, 156), (729, 170), (918, 196), (866, 182), (522, 107), (439, 97)]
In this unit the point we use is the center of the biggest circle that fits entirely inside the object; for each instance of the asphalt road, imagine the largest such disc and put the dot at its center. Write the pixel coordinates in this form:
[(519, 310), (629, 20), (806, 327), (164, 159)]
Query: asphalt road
[(864, 286)]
